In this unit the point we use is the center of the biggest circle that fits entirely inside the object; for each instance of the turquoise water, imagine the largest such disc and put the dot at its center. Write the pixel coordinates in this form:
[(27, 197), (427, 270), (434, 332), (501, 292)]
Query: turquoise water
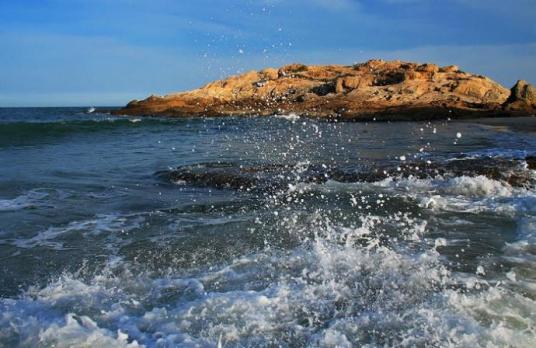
[(274, 231)]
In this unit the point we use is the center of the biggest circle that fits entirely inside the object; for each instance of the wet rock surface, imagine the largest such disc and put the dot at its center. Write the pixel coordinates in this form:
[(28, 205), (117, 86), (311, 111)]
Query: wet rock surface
[(276, 177)]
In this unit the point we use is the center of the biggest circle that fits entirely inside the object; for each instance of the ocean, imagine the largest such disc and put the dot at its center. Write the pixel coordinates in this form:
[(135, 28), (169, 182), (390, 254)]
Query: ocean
[(265, 232)]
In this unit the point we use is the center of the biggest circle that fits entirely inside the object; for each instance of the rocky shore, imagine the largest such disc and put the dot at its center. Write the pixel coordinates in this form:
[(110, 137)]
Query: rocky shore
[(377, 89)]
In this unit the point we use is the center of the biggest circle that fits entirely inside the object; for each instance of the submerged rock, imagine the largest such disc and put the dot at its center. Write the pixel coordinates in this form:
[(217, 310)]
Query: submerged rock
[(388, 90), (276, 177)]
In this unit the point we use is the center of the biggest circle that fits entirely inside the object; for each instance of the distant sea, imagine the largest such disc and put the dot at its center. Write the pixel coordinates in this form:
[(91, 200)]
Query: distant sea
[(265, 232)]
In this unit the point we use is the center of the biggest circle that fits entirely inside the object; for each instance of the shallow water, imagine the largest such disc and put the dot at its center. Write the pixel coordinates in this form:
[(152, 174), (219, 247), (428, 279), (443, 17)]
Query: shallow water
[(266, 232)]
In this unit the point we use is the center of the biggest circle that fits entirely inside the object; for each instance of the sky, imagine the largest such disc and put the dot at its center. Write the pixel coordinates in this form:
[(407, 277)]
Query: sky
[(108, 52)]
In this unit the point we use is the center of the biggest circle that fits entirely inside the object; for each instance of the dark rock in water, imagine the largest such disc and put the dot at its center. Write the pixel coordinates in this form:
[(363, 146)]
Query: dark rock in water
[(506, 170), (531, 162), (258, 178), (214, 175), (274, 177)]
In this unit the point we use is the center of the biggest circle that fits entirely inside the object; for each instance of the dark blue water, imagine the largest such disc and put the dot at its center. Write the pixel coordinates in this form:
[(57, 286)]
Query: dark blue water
[(276, 231)]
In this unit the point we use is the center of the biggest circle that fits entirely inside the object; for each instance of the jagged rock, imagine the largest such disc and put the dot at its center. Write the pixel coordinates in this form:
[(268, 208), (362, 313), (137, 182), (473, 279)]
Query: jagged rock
[(522, 97), (378, 89)]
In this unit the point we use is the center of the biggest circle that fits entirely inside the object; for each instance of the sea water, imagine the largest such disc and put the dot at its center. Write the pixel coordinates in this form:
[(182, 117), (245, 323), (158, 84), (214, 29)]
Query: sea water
[(265, 232)]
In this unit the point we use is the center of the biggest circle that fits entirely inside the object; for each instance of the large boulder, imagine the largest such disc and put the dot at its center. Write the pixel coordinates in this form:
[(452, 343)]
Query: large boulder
[(522, 97)]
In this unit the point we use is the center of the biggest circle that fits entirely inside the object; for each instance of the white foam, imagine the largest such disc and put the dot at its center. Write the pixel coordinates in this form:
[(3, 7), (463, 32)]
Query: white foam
[(51, 237), (459, 194), (290, 117), (478, 186), (328, 291), (464, 193), (26, 200)]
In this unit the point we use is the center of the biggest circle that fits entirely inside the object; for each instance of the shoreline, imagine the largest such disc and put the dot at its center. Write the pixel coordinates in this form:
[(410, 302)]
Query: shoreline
[(406, 116)]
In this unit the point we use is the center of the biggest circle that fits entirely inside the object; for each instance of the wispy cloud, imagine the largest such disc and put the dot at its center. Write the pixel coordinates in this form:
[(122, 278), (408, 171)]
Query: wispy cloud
[(96, 47)]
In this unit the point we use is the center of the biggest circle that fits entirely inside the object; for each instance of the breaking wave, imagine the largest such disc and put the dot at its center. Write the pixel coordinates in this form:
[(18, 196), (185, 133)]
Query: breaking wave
[(28, 200), (268, 232), (341, 285), (326, 293)]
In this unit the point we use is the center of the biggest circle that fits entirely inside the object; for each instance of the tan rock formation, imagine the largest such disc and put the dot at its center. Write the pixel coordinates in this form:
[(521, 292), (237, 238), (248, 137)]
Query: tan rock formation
[(375, 89), (522, 97)]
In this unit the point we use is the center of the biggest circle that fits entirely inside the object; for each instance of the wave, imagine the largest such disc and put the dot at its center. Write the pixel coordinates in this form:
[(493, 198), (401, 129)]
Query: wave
[(330, 291), (289, 117), (28, 200), (341, 285), (465, 194), (385, 253), (27, 132), (54, 237)]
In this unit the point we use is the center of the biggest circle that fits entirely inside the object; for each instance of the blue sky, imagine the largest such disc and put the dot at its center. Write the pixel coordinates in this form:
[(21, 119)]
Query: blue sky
[(106, 52)]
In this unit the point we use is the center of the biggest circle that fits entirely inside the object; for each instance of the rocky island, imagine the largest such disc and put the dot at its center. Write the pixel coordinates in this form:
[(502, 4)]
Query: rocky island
[(377, 89)]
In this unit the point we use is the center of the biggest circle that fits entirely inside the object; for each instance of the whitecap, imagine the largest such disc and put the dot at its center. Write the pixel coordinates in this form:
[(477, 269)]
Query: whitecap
[(52, 237), (328, 291), (290, 117), (27, 200)]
